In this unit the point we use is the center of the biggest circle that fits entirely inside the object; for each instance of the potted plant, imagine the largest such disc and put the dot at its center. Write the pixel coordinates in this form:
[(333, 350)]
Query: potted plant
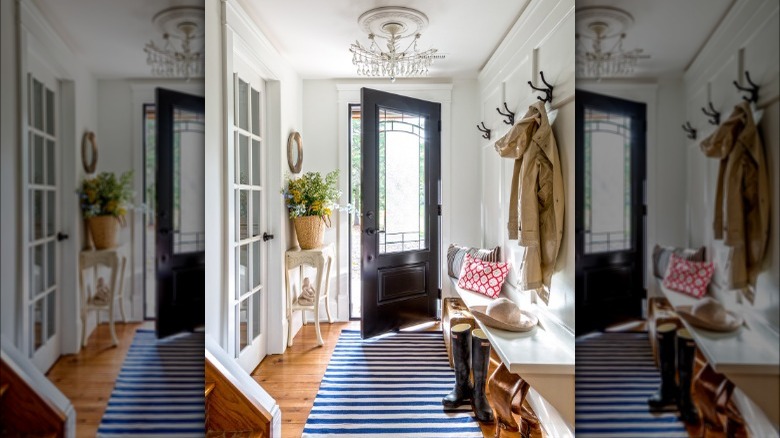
[(104, 200), (310, 200)]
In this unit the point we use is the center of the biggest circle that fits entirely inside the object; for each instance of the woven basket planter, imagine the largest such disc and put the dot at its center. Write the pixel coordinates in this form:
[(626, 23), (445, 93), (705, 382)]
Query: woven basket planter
[(310, 231), (104, 231)]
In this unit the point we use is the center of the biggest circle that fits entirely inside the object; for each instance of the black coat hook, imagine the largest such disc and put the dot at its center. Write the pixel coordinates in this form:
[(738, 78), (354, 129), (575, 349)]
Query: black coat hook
[(753, 89), (484, 129), (509, 114), (548, 92), (690, 130), (713, 114)]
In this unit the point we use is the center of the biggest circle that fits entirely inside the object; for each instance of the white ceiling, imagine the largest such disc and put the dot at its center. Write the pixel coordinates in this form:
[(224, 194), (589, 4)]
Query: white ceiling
[(314, 35), (671, 31), (109, 36)]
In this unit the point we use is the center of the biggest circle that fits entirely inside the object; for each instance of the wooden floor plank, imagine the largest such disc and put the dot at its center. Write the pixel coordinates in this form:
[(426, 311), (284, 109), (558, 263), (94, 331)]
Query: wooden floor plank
[(87, 378)]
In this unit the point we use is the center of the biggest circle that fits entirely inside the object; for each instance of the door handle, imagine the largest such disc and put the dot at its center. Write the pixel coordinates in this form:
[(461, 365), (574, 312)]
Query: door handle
[(164, 231), (267, 237), (372, 231), (62, 236)]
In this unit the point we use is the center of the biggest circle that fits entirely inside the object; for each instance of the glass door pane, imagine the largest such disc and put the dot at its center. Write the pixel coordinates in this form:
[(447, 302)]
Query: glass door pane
[(42, 216), (188, 186), (607, 195), (402, 209), (248, 196)]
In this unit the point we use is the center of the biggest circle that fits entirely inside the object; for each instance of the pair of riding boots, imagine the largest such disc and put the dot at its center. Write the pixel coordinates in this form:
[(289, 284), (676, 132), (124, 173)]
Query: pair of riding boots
[(462, 337), (676, 355)]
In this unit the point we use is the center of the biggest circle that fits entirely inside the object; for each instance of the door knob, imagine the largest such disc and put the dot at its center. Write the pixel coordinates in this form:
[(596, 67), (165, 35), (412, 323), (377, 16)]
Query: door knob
[(371, 231), (62, 236), (267, 237)]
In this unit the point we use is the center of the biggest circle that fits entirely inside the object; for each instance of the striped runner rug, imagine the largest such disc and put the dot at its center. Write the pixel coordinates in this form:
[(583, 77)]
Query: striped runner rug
[(388, 386), (615, 374), (159, 391)]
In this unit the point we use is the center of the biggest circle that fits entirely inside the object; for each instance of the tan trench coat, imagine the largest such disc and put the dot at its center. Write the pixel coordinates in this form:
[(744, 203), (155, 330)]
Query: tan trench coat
[(536, 202), (742, 195)]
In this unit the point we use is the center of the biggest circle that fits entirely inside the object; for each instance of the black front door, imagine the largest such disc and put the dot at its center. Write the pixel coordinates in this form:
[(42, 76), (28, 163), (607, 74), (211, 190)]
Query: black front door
[(610, 210), (400, 200), (180, 212)]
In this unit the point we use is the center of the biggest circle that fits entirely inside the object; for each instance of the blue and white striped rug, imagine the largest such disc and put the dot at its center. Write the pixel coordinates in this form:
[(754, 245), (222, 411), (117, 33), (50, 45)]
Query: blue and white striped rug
[(388, 386), (615, 374), (159, 391)]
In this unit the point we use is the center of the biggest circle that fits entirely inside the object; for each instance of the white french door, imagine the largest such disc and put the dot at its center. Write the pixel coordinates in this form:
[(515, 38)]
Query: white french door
[(41, 218), (247, 206)]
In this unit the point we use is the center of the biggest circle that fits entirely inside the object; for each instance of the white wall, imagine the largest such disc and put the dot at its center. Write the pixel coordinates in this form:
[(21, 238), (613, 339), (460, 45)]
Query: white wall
[(119, 135), (542, 39), (748, 39), (9, 163)]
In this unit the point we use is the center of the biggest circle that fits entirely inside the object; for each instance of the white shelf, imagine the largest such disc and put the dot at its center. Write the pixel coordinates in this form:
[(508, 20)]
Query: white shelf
[(537, 351), (748, 356), (543, 357), (747, 350)]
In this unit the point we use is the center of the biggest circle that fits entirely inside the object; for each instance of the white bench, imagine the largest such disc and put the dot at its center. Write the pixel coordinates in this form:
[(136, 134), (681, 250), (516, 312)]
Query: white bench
[(749, 357), (543, 357)]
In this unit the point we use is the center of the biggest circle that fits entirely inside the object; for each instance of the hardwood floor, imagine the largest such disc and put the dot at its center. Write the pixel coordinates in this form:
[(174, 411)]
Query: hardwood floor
[(293, 378), (87, 378)]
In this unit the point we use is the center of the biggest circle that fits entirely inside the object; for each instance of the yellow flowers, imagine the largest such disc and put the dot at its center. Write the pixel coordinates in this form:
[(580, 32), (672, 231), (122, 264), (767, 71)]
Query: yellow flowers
[(311, 194), (106, 195)]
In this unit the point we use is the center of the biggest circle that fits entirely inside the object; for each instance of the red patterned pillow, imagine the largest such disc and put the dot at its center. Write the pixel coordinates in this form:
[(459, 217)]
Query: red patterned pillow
[(482, 277), (691, 278)]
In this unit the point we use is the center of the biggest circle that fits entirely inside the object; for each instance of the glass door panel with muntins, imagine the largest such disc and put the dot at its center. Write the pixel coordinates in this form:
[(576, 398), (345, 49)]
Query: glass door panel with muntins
[(607, 203), (401, 181), (42, 219), (188, 185), (248, 201)]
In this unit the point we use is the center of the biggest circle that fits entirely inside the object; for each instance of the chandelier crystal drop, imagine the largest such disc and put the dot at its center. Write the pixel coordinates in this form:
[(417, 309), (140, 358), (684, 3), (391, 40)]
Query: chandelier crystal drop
[(177, 57), (599, 44), (392, 25)]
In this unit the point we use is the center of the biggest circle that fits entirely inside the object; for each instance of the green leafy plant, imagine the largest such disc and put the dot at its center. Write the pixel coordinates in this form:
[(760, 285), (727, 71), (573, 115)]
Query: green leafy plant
[(106, 195), (311, 194)]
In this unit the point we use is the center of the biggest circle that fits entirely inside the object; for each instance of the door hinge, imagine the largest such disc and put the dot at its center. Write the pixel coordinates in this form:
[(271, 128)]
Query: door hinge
[(439, 125), (439, 293), (439, 209)]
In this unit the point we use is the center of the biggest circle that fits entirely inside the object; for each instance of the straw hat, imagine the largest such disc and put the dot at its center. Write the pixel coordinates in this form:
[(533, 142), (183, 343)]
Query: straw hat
[(711, 315), (504, 314)]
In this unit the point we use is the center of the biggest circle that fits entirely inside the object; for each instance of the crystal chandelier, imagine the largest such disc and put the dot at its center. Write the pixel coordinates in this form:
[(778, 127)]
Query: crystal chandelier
[(394, 25), (603, 29), (180, 26)]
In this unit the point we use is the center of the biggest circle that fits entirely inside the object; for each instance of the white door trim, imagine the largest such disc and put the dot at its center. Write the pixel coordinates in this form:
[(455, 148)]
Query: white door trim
[(37, 38), (242, 38)]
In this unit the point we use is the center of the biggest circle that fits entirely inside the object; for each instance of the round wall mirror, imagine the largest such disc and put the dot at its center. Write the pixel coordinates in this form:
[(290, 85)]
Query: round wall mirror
[(89, 152), (295, 152)]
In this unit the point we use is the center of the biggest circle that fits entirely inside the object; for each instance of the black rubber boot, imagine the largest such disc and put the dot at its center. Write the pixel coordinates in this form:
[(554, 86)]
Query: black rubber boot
[(460, 337), (480, 359), (667, 393), (686, 354)]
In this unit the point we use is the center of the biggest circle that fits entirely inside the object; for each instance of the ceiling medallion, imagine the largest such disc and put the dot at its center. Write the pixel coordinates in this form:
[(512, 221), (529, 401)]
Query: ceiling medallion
[(392, 24), (597, 27), (180, 26)]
